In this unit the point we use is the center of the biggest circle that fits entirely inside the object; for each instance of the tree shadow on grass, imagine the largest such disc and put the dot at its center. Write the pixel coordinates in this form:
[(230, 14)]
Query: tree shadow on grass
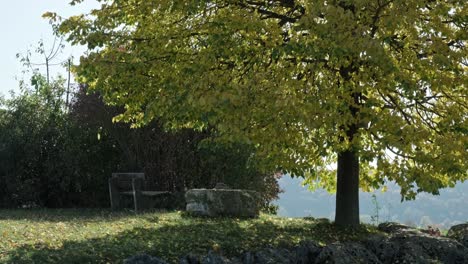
[(170, 241), (67, 215)]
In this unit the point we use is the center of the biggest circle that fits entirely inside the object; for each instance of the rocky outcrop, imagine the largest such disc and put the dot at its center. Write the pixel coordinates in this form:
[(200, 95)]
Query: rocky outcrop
[(400, 244), (144, 259), (346, 253), (408, 245), (304, 253), (395, 228), (222, 202), (459, 233)]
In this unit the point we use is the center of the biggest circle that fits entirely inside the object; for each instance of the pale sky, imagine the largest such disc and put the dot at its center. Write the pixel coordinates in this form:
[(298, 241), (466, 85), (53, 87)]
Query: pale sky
[(22, 26)]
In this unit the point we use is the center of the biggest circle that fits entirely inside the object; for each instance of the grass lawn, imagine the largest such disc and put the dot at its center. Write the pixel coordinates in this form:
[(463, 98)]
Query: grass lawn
[(102, 236)]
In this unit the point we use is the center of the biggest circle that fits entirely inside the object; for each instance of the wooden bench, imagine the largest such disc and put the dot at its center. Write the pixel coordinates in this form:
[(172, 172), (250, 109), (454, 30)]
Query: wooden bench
[(130, 185)]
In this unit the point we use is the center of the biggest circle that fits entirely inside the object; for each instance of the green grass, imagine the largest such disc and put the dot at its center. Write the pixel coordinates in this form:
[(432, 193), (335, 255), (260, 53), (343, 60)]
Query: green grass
[(102, 236)]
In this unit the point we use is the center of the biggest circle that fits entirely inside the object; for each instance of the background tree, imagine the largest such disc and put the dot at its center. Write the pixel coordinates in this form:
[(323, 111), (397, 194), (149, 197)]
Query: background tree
[(379, 86), (45, 155), (34, 130)]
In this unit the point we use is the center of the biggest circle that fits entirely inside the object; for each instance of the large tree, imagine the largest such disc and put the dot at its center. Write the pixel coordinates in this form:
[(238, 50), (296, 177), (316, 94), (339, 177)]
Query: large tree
[(378, 87)]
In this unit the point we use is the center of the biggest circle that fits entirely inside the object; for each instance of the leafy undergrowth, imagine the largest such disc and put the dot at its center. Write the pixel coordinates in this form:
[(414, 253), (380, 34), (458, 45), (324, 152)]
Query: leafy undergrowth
[(102, 236)]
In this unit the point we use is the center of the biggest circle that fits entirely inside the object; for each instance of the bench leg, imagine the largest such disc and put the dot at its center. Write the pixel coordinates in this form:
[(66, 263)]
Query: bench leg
[(114, 195), (137, 200), (137, 185)]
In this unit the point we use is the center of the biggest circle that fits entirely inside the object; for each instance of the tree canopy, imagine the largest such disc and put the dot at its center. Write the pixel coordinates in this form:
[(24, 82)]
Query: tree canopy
[(377, 84)]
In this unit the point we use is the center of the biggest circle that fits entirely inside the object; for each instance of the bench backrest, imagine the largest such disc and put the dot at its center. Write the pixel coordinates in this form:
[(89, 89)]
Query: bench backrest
[(123, 181)]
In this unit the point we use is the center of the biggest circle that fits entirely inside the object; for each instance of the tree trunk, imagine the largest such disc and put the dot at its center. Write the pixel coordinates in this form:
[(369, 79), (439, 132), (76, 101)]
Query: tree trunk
[(347, 192)]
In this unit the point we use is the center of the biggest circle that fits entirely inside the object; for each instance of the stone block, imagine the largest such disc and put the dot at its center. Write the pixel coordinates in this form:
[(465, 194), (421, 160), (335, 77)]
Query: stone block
[(222, 202)]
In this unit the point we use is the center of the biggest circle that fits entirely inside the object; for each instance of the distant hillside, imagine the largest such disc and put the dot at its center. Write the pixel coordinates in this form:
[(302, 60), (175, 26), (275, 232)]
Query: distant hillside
[(444, 210)]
